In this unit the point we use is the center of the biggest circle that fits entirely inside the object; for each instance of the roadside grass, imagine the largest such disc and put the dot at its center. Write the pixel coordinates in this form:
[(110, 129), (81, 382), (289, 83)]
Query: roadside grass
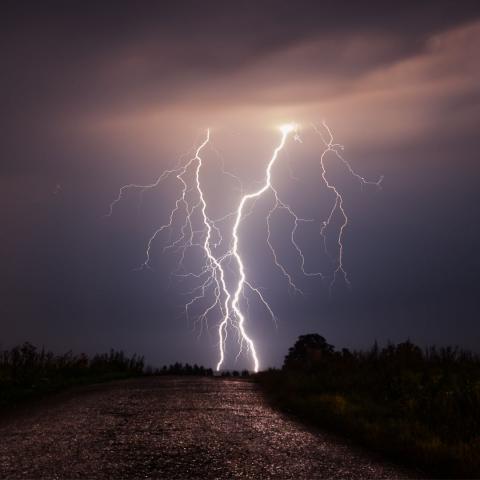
[(26, 372), (418, 408)]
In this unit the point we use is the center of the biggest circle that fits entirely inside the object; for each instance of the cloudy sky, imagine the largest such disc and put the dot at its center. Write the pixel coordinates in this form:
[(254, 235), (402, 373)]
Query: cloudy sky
[(95, 95)]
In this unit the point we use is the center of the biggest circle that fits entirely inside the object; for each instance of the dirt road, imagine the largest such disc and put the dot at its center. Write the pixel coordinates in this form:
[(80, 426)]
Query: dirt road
[(173, 428)]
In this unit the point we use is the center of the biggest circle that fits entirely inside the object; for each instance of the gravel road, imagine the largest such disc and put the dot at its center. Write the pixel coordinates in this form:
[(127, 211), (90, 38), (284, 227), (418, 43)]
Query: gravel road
[(173, 428)]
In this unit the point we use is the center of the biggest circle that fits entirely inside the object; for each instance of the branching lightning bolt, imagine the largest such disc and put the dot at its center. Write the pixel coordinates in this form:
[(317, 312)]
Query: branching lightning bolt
[(336, 149), (191, 208), (241, 268)]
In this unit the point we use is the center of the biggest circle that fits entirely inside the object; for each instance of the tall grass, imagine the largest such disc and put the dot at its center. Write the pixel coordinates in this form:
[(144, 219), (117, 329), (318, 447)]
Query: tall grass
[(26, 371), (419, 406)]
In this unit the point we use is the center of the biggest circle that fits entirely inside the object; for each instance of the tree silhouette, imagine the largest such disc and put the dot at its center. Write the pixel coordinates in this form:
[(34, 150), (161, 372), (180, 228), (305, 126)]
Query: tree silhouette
[(308, 351)]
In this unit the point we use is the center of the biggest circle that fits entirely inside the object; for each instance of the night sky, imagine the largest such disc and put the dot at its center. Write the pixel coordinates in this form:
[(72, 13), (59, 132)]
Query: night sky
[(95, 95)]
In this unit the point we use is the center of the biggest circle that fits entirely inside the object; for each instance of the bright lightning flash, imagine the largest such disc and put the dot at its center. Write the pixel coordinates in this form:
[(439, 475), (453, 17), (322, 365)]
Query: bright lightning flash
[(199, 231)]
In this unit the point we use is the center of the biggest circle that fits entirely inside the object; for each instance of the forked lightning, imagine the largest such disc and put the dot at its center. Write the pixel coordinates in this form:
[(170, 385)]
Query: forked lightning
[(198, 230)]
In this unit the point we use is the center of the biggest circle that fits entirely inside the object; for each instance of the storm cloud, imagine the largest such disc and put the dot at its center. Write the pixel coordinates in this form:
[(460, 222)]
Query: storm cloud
[(98, 94)]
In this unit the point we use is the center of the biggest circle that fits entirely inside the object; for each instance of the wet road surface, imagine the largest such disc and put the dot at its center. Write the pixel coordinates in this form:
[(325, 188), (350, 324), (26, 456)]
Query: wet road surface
[(173, 428)]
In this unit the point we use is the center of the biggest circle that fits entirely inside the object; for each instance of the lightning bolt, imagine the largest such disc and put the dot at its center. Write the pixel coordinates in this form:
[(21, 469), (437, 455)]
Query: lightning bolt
[(241, 268), (199, 230), (336, 149)]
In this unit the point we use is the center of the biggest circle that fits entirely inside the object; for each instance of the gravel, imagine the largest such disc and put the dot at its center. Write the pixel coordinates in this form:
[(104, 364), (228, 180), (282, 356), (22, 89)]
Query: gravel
[(174, 428)]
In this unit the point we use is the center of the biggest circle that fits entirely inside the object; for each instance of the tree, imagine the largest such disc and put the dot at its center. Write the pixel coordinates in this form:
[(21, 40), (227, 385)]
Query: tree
[(308, 350)]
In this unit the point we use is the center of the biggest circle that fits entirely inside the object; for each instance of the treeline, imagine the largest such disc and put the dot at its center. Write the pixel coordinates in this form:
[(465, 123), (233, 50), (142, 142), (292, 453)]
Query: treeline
[(421, 406), (26, 370), (180, 369), (196, 370)]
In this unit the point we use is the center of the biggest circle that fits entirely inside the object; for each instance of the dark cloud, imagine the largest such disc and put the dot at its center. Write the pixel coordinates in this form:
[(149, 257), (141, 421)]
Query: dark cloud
[(59, 56)]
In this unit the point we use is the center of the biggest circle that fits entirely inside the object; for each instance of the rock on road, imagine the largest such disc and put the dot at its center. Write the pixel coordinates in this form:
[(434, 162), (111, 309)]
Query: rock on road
[(173, 427)]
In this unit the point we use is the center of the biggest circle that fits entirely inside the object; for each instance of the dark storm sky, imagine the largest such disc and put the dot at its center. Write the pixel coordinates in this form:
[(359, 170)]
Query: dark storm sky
[(98, 94)]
